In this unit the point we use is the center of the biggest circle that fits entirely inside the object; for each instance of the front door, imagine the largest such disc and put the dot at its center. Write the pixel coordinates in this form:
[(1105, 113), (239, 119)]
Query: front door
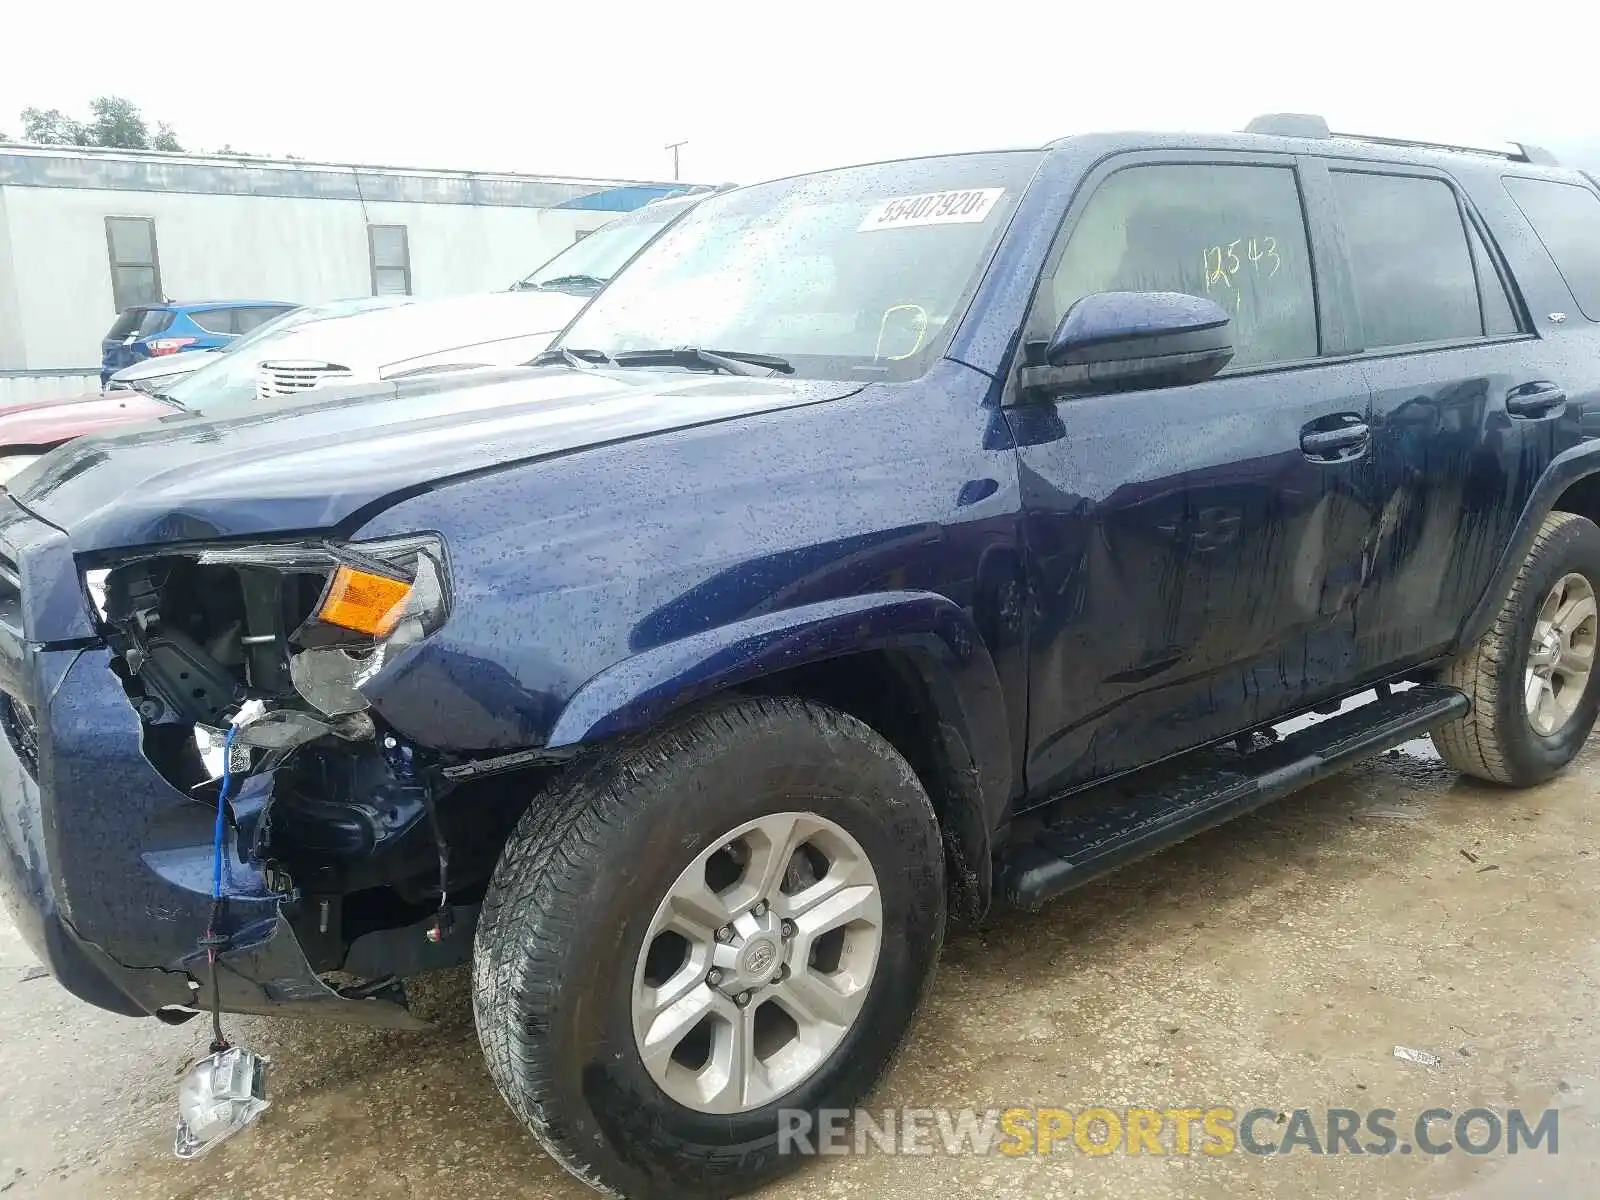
[(1195, 551)]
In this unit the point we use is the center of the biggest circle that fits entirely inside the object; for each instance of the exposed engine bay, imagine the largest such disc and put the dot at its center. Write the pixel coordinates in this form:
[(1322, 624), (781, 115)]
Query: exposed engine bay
[(246, 663)]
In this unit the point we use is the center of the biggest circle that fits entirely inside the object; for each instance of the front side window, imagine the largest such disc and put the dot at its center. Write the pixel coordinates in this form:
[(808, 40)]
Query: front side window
[(859, 273), (1566, 216), (1410, 259), (391, 260), (135, 266), (1232, 234)]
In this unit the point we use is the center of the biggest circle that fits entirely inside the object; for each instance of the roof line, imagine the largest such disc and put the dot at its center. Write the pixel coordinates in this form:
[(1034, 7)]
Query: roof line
[(301, 164)]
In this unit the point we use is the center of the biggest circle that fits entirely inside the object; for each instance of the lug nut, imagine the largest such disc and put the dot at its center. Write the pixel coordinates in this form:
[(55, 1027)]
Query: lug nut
[(714, 976), (742, 999), (725, 934), (761, 908), (787, 929)]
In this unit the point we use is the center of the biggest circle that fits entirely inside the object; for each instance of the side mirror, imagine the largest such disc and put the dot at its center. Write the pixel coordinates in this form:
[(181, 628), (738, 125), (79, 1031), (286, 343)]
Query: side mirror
[(1118, 341)]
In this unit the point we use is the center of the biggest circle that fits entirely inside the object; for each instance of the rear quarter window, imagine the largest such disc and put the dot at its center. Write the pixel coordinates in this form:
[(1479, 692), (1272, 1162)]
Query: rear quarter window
[(1566, 216)]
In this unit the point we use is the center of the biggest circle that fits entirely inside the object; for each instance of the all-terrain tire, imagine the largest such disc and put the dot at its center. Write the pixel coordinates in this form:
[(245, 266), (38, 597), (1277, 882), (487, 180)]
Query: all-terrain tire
[(1496, 741), (572, 898)]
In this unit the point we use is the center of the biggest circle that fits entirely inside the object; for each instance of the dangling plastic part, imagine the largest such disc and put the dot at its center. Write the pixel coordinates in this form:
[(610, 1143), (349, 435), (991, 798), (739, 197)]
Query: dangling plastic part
[(227, 1090), (220, 1095)]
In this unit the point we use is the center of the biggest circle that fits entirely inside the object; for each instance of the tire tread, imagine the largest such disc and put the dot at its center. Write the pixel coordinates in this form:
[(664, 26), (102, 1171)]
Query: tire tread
[(1474, 745)]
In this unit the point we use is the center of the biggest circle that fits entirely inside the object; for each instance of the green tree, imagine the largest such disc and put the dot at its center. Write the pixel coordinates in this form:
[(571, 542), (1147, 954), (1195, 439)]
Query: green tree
[(52, 127), (117, 123)]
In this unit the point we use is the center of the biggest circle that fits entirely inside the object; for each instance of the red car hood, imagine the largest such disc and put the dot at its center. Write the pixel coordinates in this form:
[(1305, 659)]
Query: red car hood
[(44, 423)]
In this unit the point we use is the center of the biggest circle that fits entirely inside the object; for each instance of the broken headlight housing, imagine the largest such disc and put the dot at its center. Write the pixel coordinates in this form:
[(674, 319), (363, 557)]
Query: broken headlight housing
[(206, 629)]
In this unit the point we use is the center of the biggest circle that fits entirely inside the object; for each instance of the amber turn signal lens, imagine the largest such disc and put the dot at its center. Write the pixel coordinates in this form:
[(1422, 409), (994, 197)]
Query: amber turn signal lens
[(367, 603)]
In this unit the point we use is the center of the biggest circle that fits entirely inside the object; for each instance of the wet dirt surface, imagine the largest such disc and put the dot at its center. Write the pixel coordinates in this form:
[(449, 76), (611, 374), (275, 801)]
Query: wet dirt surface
[(1275, 962)]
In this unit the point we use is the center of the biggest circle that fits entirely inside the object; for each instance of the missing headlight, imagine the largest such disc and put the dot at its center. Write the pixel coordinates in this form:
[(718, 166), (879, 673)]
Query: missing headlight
[(202, 630)]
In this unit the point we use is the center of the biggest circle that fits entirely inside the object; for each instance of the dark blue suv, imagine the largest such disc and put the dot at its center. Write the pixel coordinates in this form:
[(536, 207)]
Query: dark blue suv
[(153, 330), (882, 544)]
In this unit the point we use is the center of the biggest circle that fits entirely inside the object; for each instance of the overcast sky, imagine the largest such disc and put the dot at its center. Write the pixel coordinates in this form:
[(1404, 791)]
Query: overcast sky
[(766, 89)]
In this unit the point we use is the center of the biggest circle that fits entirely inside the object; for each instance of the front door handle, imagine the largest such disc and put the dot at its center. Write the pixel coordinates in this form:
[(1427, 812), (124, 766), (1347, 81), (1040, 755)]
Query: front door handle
[(1336, 439), (1538, 399)]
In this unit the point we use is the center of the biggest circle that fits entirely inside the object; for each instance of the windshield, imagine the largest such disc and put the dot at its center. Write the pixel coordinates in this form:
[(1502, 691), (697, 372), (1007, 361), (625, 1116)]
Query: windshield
[(587, 264), (852, 274)]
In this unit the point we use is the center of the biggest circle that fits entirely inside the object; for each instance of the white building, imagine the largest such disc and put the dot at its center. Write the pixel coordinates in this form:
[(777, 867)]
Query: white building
[(87, 232)]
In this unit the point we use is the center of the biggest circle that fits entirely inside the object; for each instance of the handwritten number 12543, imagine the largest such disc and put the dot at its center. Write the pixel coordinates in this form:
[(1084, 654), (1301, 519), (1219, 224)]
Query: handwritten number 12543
[(1222, 263)]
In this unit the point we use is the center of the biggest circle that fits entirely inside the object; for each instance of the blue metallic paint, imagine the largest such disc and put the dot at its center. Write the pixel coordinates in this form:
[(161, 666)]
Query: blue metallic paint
[(1090, 584)]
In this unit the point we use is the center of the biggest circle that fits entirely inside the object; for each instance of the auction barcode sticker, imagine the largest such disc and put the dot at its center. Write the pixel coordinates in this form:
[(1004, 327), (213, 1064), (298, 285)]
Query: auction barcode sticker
[(966, 206)]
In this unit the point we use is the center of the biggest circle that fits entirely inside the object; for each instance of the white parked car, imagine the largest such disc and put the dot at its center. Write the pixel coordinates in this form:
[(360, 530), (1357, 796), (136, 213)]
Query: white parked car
[(494, 330)]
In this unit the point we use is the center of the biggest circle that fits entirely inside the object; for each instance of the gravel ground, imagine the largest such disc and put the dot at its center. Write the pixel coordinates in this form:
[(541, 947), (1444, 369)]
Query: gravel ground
[(1276, 963)]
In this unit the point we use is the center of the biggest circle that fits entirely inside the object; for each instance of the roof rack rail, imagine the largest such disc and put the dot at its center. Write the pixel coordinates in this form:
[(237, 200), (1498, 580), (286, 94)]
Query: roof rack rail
[(1309, 125)]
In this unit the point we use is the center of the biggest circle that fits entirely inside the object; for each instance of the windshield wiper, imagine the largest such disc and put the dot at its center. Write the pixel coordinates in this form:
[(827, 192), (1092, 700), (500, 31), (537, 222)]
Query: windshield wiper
[(583, 360), (734, 362), (558, 282)]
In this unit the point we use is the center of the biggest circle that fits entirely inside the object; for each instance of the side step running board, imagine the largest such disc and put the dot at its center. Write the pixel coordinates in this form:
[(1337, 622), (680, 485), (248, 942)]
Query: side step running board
[(1095, 834)]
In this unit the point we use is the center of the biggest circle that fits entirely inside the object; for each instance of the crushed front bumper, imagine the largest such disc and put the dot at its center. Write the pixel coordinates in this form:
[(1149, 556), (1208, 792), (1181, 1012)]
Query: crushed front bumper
[(105, 867)]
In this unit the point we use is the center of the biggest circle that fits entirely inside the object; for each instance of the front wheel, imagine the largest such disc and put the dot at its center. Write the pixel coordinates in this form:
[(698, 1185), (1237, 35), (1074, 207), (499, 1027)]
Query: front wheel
[(697, 931), (1532, 677)]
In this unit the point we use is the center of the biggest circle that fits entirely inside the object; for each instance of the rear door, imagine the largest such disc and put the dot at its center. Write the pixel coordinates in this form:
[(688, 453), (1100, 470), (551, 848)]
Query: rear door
[(1195, 550), (123, 330), (1469, 406)]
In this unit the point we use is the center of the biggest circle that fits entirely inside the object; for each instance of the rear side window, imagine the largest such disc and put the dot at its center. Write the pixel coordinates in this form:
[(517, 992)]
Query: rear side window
[(126, 323), (154, 321), (1499, 316), (214, 320), (1233, 234), (1566, 216), (1409, 254)]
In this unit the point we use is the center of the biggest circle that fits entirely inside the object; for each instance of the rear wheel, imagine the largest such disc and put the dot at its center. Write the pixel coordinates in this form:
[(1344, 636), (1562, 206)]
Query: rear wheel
[(696, 931), (1532, 677)]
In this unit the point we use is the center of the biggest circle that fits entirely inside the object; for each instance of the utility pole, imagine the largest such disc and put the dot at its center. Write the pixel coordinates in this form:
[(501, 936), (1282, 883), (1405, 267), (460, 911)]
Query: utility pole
[(673, 146)]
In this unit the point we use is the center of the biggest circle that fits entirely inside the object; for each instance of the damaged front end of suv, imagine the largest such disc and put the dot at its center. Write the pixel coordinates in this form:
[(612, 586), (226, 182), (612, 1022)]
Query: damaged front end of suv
[(245, 665)]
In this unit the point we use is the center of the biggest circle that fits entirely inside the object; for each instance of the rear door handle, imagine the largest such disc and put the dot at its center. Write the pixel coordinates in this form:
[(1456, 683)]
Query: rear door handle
[(1338, 443), (1538, 399)]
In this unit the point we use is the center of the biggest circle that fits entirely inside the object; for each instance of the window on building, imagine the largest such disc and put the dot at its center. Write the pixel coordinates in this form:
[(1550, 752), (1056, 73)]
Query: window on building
[(1232, 234), (1410, 257), (391, 260), (135, 267), (1566, 216)]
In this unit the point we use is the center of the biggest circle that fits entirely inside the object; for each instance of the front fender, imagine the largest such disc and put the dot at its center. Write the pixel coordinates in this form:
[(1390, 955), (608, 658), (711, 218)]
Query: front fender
[(1564, 470), (937, 635)]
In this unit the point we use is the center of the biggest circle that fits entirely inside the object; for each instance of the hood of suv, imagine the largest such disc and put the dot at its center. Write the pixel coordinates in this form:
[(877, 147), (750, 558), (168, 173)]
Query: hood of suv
[(321, 459)]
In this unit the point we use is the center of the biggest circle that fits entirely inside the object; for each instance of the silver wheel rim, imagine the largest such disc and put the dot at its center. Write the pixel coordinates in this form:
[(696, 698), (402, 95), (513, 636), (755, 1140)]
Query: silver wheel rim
[(1561, 656), (757, 963)]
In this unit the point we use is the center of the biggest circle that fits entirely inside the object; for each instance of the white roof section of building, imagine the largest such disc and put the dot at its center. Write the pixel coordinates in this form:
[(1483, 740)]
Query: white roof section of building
[(97, 168)]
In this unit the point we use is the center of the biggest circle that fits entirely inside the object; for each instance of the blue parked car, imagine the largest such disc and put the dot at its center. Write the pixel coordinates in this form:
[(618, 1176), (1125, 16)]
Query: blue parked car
[(882, 544), (159, 329)]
